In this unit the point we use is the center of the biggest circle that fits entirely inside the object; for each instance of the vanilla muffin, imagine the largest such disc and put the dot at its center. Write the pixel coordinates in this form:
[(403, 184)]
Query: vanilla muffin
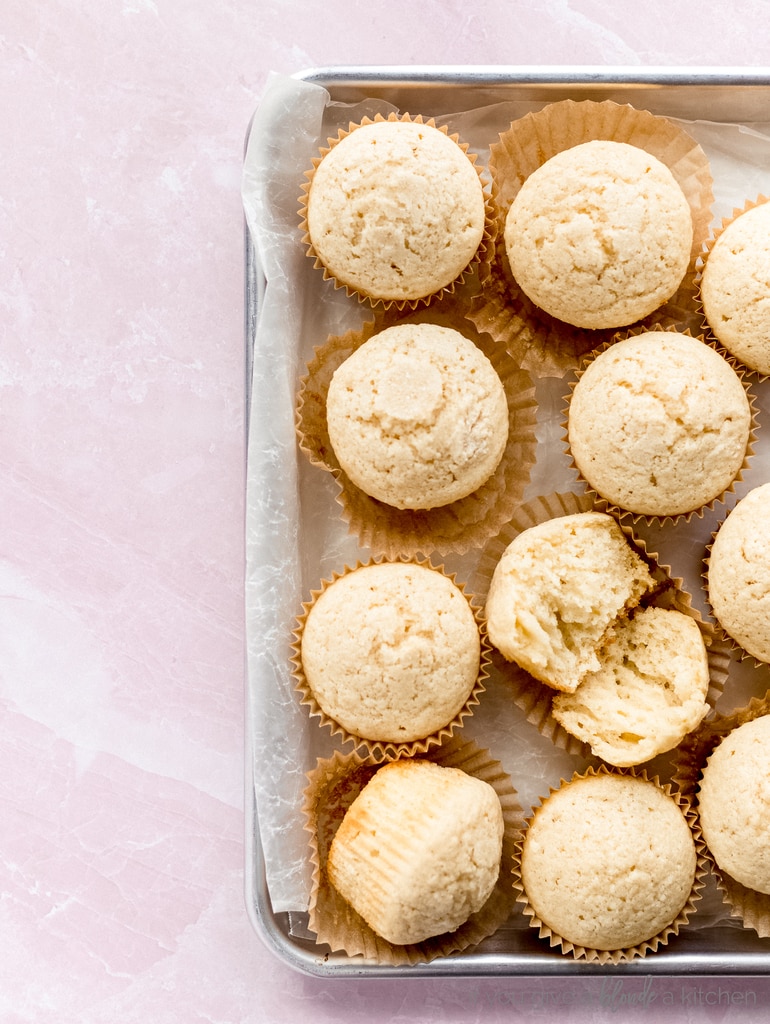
[(599, 235), (738, 575), (735, 288), (734, 804), (391, 651), (557, 591), (608, 861), (417, 416), (395, 210), (648, 693), (659, 424), (419, 850)]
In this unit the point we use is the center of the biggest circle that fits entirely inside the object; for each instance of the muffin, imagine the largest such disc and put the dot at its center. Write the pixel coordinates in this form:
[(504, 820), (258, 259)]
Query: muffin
[(391, 652), (418, 851), (735, 290), (417, 837), (608, 862), (600, 235), (417, 416), (461, 525), (659, 424), (395, 210), (738, 575), (544, 345), (557, 590), (734, 804), (648, 693)]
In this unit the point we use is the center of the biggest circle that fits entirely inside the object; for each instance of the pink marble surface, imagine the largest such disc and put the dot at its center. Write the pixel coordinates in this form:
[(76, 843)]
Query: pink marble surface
[(121, 414)]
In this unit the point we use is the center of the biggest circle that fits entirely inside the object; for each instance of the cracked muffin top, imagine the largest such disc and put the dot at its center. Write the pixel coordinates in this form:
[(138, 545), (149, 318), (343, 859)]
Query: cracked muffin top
[(396, 210), (659, 424), (600, 235)]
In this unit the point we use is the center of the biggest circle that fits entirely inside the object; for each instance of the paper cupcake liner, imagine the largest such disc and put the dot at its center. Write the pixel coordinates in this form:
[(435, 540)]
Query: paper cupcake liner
[(384, 750), (535, 699), (333, 785), (483, 254), (454, 528), (604, 504), (750, 907), (651, 945), (542, 344), (708, 245)]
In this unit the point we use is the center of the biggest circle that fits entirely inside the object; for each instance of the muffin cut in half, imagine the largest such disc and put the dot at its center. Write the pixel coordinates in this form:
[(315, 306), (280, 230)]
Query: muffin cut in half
[(558, 589), (648, 693)]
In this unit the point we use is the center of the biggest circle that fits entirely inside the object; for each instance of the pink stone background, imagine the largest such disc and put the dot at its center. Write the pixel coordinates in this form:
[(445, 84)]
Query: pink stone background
[(121, 489)]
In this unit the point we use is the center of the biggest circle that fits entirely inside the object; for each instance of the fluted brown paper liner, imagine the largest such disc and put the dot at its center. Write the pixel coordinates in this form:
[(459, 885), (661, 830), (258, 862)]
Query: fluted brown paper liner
[(651, 945), (603, 503), (752, 908), (548, 347), (454, 528), (484, 252), (383, 750), (333, 785), (534, 698), (708, 245)]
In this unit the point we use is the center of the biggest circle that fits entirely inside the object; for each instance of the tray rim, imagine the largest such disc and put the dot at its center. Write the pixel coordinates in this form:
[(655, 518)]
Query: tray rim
[(319, 961), (535, 74)]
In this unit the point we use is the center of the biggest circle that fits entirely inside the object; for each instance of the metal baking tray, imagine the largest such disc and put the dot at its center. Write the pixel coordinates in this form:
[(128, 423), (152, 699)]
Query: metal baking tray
[(728, 96)]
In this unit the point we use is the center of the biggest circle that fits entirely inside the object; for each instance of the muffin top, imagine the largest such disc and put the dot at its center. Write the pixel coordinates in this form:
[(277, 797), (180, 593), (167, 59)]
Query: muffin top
[(396, 210), (391, 651), (418, 850), (599, 235), (739, 573), (735, 288), (734, 804), (557, 590), (659, 424), (648, 693), (417, 416), (608, 861)]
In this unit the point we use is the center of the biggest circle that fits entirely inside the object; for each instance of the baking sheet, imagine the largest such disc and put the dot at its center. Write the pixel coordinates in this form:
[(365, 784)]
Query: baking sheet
[(294, 536)]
